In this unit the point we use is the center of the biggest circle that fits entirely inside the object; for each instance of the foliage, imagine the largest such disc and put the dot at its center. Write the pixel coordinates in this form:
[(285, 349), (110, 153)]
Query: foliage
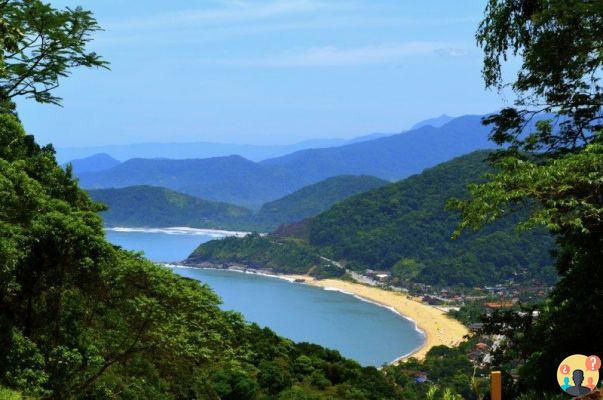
[(40, 45), (264, 252), (448, 372), (160, 207), (313, 199), (236, 180), (405, 227), (558, 168), (80, 318)]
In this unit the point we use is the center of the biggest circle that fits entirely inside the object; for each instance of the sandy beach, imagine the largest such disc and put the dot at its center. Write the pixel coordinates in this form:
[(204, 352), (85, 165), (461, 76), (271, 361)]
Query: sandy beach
[(439, 329)]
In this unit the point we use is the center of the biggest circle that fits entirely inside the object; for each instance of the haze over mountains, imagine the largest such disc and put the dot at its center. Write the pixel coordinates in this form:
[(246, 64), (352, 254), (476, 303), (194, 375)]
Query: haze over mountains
[(157, 207), (403, 227), (237, 180), (180, 151), (204, 149)]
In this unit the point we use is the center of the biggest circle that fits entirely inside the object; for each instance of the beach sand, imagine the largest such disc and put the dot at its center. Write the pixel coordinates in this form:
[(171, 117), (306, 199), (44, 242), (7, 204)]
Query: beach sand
[(439, 329)]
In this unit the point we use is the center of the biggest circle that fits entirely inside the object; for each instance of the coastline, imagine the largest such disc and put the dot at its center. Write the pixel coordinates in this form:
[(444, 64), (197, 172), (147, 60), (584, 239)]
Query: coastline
[(179, 230), (436, 327)]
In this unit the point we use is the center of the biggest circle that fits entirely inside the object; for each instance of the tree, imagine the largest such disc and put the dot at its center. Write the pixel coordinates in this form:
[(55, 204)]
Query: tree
[(556, 169), (39, 45)]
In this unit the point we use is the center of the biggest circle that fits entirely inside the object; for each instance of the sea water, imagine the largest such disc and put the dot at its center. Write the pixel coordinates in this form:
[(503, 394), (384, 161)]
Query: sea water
[(360, 330)]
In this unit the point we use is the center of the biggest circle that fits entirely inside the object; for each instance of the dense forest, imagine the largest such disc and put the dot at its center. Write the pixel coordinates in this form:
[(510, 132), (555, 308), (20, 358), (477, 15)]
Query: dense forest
[(313, 199), (288, 256), (150, 206), (405, 227), (81, 318)]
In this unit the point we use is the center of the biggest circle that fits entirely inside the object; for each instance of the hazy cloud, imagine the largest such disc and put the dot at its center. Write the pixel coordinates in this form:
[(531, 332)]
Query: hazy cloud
[(230, 11), (335, 56)]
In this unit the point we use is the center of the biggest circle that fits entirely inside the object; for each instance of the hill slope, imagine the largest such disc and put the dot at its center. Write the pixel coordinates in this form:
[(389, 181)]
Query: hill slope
[(230, 179), (234, 179), (94, 163), (391, 158), (83, 319), (182, 151), (408, 220), (159, 207), (314, 199), (435, 122), (404, 227)]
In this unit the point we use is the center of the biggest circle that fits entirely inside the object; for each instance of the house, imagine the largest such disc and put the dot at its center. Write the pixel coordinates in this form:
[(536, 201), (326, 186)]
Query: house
[(476, 326), (497, 305)]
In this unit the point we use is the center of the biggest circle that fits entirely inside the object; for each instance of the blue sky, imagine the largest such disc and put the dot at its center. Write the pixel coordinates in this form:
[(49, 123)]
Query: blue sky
[(269, 71)]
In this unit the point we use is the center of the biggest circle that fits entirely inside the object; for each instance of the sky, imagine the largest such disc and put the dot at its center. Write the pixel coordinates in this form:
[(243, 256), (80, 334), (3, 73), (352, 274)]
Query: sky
[(267, 71)]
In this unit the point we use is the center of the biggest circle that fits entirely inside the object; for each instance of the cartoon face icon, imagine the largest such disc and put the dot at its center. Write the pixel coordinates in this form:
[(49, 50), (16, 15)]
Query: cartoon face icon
[(578, 374)]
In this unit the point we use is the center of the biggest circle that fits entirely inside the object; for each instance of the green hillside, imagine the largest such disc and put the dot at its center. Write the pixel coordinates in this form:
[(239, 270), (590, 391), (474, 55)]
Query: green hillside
[(151, 206), (287, 256), (408, 220), (83, 319), (404, 227), (159, 207), (314, 199)]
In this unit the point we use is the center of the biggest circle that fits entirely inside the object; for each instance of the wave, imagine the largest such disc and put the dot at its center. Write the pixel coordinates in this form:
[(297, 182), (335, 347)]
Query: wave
[(181, 230)]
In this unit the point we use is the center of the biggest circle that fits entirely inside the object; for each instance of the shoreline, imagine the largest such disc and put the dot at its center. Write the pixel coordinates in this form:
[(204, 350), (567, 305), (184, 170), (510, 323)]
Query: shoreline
[(433, 324), (179, 230)]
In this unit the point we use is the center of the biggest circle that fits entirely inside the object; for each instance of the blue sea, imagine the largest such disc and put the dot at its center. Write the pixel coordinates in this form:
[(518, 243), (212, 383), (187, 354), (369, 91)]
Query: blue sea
[(363, 331)]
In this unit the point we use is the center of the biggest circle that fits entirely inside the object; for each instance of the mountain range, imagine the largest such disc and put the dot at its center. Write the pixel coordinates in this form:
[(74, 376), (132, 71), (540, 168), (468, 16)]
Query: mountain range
[(236, 180), (94, 163), (150, 206), (180, 151), (405, 228)]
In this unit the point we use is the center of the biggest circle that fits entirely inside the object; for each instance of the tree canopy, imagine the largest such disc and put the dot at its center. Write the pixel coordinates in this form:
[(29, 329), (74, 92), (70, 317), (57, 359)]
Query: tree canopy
[(558, 168), (39, 45)]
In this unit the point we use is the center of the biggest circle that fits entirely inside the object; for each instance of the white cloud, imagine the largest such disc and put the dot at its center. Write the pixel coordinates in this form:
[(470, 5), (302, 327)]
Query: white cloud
[(329, 56), (228, 11)]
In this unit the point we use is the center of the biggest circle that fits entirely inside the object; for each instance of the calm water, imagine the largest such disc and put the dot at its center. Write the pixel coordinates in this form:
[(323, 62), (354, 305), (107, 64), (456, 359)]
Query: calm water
[(370, 334)]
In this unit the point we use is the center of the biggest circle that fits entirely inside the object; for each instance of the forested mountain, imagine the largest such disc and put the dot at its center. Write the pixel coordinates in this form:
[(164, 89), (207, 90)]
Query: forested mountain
[(83, 319), (408, 221), (237, 180), (313, 199), (230, 179), (152, 206), (435, 122), (94, 163), (181, 151), (393, 157), (404, 227)]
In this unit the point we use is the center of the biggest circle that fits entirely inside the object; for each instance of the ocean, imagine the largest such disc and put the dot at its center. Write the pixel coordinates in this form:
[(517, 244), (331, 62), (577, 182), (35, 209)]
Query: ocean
[(368, 333)]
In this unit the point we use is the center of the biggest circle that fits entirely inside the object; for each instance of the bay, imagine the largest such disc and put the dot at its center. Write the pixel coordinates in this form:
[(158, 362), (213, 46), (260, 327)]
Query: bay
[(363, 331)]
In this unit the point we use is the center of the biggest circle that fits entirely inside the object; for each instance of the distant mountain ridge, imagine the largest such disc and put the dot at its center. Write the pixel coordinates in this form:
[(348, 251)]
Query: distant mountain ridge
[(189, 150), (94, 163), (150, 206), (236, 180), (232, 179), (435, 122), (313, 199), (404, 227), (157, 207), (205, 149), (392, 157)]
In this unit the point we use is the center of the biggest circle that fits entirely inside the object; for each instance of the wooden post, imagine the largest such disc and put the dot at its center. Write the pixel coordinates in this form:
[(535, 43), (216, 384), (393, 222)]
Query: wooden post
[(495, 385)]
